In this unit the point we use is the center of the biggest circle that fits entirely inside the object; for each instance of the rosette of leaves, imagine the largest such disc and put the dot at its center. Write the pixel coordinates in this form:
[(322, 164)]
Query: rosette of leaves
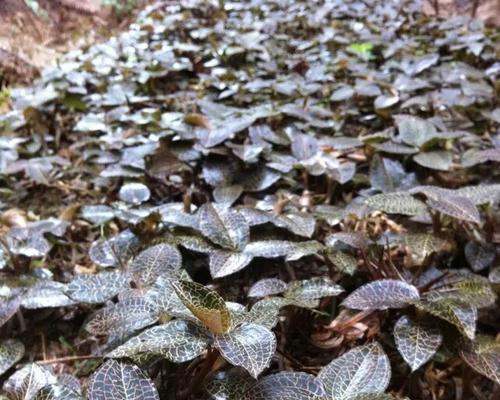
[(213, 326), (362, 373), (305, 293), (454, 299), (151, 271), (228, 232)]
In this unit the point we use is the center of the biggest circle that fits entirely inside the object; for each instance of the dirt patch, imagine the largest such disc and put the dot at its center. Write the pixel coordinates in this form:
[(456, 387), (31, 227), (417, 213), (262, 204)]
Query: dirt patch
[(486, 10), (30, 40)]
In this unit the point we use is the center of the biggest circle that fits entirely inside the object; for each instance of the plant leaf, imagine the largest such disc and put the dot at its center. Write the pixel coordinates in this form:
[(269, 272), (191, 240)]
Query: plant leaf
[(422, 245), (249, 346), (484, 357), (118, 380), (459, 314), (282, 248), (457, 207), (286, 386), (232, 387), (163, 294), (437, 160), (125, 317), (11, 351), (345, 263), (227, 195), (44, 294), (480, 194), (205, 304), (266, 311), (25, 383), (178, 341), (397, 203), (267, 287), (357, 240), (97, 288), (416, 342), (479, 255), (114, 251), (224, 263), (381, 295), (300, 224), (223, 226), (134, 193), (415, 131), (312, 289), (8, 308), (362, 370), (473, 290), (57, 392), (161, 259)]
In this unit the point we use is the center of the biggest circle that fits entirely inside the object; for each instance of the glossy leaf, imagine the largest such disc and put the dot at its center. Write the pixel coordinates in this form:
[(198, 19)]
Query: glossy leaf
[(381, 295), (286, 386), (97, 288), (205, 304), (223, 263), (125, 317), (134, 193), (118, 380), (437, 160), (422, 244), (11, 351), (311, 289), (460, 208), (397, 203), (178, 341), (457, 313), (415, 131), (362, 370), (484, 357), (479, 255), (267, 287), (346, 263), (161, 259), (25, 383), (416, 342), (249, 346), (223, 226), (282, 248)]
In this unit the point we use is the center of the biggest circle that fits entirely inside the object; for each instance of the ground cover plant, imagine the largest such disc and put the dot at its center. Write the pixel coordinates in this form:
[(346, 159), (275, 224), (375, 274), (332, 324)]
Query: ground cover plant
[(253, 200)]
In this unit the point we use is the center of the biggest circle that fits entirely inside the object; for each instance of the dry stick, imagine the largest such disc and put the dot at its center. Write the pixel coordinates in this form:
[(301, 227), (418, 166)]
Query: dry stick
[(22, 322), (331, 185), (68, 359)]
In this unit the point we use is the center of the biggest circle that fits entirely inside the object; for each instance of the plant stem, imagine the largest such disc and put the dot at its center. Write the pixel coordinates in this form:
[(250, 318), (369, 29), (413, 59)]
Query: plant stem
[(201, 375)]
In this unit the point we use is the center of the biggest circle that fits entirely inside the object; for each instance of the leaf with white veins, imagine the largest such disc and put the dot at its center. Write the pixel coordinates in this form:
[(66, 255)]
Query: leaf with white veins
[(416, 342), (223, 226), (362, 370), (249, 346), (381, 295)]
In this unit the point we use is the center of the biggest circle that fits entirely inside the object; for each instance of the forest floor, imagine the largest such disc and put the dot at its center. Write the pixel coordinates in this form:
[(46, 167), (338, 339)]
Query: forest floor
[(252, 200)]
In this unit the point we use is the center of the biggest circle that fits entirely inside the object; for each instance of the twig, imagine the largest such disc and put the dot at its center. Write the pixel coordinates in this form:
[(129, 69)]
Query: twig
[(68, 359)]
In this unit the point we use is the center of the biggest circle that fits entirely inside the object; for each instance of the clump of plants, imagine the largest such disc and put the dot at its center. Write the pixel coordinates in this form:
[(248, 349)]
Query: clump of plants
[(256, 200)]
